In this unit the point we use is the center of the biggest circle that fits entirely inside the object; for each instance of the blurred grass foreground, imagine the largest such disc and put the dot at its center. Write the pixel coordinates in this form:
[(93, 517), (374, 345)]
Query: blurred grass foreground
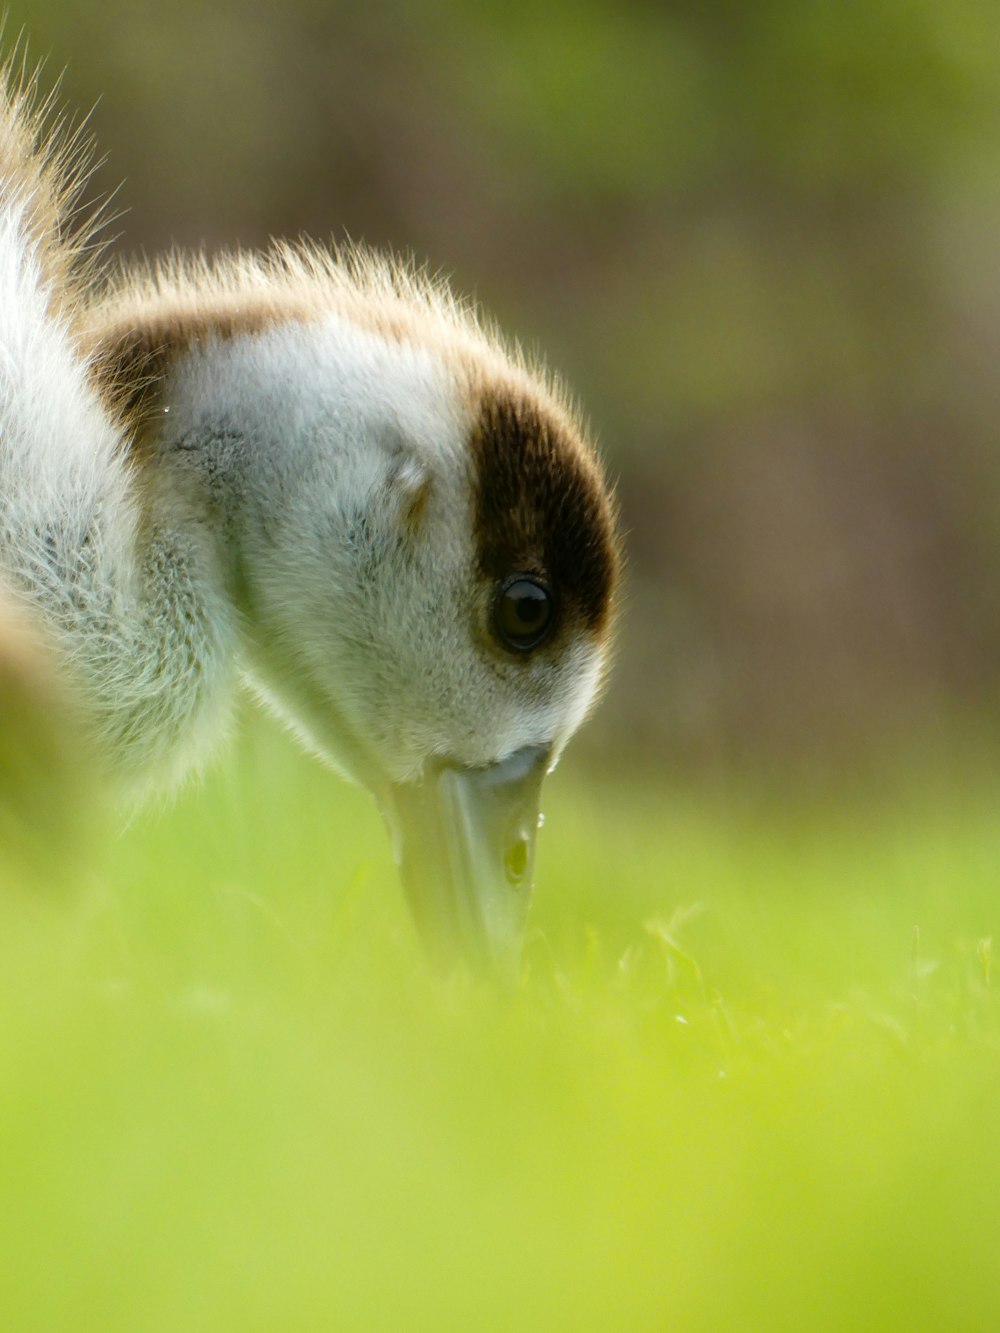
[(749, 1079), (751, 1075)]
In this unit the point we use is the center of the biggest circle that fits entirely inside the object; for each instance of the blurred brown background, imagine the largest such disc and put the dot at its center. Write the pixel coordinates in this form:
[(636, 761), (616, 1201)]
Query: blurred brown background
[(761, 241)]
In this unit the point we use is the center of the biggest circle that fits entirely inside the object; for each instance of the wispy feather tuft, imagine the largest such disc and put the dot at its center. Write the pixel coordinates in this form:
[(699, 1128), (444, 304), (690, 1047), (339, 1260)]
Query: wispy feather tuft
[(46, 160)]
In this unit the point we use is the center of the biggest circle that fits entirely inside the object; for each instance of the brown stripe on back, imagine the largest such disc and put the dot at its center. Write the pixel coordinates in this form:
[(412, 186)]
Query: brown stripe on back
[(542, 505), (132, 357), (137, 329)]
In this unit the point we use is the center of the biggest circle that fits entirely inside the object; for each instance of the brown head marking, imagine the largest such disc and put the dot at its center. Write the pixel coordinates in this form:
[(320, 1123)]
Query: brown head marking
[(542, 507)]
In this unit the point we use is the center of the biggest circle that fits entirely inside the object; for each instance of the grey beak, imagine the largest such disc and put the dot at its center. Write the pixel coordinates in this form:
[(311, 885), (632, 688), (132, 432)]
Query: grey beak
[(465, 844)]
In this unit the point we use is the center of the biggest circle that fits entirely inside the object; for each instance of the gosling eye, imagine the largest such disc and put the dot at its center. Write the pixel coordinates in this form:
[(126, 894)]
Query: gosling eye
[(523, 613)]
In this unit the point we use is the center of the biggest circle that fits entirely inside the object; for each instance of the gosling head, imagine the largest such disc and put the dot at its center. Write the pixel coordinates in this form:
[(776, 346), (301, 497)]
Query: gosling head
[(426, 560)]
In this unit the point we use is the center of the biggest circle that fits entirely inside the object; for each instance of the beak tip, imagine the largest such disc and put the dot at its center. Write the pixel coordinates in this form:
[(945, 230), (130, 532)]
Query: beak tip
[(465, 843)]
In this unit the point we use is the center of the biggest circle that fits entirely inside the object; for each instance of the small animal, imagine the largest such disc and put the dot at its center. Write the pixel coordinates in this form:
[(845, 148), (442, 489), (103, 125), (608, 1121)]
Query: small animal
[(319, 473)]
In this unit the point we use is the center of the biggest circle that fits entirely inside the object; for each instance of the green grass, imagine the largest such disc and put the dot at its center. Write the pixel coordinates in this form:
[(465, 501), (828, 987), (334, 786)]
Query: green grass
[(751, 1079)]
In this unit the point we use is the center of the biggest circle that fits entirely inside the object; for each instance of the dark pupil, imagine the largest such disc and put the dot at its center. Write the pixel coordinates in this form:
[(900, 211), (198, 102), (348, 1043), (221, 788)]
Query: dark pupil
[(523, 614)]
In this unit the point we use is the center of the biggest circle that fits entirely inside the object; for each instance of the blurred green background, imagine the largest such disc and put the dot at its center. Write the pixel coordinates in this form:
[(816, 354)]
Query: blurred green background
[(758, 240), (750, 1078)]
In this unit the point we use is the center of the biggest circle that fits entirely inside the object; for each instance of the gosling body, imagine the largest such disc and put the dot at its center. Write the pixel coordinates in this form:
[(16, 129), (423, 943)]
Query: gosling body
[(319, 473)]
